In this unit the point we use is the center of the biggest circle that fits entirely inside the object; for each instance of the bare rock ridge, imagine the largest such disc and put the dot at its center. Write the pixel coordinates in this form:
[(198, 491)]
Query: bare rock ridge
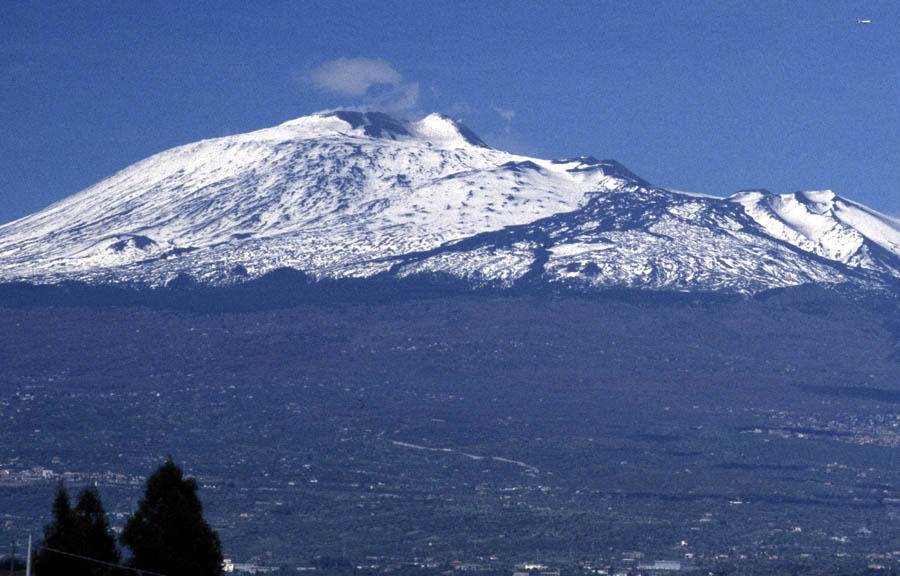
[(361, 194)]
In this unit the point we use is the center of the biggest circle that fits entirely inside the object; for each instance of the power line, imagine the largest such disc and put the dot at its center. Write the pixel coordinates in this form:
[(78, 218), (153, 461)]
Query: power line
[(120, 566)]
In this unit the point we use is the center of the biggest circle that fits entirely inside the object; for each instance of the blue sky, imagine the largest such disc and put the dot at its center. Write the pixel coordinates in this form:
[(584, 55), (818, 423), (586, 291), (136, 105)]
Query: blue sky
[(700, 96)]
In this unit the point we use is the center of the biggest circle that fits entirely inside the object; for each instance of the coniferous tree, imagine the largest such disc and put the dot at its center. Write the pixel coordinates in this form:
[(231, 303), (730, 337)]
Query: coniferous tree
[(59, 534), (96, 540), (82, 532), (167, 533)]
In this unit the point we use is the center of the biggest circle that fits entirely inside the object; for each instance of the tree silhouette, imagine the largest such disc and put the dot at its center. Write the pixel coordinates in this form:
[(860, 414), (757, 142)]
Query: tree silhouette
[(83, 532), (96, 540), (59, 535), (168, 534)]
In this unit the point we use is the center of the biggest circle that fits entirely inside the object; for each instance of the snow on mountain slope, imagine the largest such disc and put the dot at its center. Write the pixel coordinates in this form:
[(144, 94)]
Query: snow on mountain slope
[(351, 194), (825, 224), (321, 193), (638, 238)]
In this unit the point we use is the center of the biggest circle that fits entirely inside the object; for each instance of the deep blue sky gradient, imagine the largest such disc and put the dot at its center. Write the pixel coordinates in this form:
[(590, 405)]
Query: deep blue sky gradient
[(706, 97)]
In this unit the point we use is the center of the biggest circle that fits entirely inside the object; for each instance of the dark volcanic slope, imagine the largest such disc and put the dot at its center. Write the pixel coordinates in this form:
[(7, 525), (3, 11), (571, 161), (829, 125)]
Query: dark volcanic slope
[(470, 426)]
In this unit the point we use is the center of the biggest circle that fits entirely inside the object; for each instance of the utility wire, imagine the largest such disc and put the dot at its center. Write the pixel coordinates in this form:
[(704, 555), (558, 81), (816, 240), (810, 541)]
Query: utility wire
[(120, 566)]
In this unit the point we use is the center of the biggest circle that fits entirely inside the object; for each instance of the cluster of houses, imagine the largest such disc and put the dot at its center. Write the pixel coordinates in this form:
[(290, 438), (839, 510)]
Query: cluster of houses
[(41, 474), (630, 566)]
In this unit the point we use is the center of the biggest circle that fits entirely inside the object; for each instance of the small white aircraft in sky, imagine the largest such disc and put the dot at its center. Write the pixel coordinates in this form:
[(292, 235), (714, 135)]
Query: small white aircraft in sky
[(860, 21)]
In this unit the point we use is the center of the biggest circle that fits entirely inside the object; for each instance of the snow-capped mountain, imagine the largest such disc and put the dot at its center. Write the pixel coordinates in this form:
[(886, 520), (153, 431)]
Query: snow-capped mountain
[(351, 194)]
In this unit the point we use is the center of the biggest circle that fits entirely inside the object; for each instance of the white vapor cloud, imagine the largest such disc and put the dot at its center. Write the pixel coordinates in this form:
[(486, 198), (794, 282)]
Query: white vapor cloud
[(504, 113), (377, 81), (353, 76), (404, 96)]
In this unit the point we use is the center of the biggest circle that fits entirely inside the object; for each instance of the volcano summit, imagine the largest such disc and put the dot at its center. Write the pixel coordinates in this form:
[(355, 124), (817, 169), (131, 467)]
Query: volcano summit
[(356, 195)]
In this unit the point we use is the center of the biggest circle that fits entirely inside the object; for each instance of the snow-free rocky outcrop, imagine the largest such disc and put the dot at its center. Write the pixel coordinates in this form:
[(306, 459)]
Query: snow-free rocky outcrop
[(351, 194)]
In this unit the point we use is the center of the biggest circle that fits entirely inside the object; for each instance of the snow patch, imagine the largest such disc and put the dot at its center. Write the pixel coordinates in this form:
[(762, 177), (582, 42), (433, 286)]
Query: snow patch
[(445, 132)]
